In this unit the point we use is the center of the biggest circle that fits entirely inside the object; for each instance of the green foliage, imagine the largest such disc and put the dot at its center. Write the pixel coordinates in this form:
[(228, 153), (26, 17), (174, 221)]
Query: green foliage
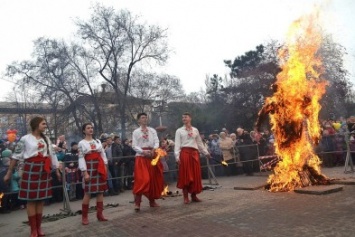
[(252, 75)]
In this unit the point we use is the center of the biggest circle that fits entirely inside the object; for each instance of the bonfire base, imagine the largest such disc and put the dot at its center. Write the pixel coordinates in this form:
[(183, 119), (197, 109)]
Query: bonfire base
[(251, 183), (320, 190)]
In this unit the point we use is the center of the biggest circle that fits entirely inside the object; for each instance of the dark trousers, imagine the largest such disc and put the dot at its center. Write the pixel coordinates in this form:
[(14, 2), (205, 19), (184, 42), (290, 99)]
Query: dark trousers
[(328, 159), (231, 169), (115, 171), (246, 156), (128, 174), (217, 168)]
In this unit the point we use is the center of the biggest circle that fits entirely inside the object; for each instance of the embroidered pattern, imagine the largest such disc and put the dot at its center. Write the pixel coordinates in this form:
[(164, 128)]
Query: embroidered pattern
[(40, 145), (145, 135), (190, 132), (92, 145)]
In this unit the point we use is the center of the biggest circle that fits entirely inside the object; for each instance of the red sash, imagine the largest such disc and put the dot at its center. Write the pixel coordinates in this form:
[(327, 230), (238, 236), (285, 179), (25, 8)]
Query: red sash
[(101, 166), (146, 148), (41, 158)]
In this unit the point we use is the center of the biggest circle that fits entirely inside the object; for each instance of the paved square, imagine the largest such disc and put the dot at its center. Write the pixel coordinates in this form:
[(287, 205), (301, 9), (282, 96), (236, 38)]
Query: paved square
[(223, 212)]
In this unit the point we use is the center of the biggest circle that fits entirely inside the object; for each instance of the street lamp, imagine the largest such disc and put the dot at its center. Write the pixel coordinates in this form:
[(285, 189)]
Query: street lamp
[(161, 108)]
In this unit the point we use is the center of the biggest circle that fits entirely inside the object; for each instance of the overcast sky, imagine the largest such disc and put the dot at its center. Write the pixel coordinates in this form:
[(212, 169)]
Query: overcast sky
[(202, 33)]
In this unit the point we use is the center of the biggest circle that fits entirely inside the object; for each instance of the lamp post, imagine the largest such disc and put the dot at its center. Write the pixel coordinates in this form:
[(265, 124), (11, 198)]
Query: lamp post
[(161, 108)]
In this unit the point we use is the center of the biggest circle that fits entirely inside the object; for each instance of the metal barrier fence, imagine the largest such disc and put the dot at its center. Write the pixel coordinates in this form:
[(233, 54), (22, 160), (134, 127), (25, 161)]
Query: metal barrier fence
[(265, 162)]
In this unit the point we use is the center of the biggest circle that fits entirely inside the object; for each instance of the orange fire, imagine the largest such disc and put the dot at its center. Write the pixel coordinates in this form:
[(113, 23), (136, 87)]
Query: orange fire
[(294, 106), (165, 191), (159, 153), (224, 163), (1, 195)]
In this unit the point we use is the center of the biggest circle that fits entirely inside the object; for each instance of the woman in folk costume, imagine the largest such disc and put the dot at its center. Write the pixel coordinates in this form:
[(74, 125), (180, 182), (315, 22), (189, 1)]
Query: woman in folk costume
[(188, 143), (36, 184), (148, 179), (92, 163)]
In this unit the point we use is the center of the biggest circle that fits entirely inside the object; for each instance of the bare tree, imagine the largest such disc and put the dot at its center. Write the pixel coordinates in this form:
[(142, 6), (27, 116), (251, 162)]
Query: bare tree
[(49, 72), (83, 63), (119, 42), (339, 85)]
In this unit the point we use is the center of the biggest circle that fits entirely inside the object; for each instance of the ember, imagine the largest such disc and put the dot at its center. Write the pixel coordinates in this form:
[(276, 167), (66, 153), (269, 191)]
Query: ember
[(166, 191), (294, 109), (224, 163)]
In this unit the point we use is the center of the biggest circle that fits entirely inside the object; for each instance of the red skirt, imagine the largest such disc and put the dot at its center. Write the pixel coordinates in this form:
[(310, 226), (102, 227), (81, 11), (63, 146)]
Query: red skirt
[(189, 175), (98, 181), (148, 179), (36, 181)]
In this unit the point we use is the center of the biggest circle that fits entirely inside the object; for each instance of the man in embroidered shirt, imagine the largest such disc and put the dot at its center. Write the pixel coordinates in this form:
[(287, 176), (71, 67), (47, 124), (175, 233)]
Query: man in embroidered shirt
[(187, 145), (148, 179)]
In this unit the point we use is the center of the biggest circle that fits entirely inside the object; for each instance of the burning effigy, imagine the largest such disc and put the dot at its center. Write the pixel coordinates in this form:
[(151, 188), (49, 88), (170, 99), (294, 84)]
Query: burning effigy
[(294, 107)]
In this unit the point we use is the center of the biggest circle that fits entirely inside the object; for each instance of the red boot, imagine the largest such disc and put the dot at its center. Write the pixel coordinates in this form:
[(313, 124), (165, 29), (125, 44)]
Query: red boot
[(186, 196), (137, 202), (152, 203), (32, 222), (99, 209), (84, 214), (194, 198), (38, 223)]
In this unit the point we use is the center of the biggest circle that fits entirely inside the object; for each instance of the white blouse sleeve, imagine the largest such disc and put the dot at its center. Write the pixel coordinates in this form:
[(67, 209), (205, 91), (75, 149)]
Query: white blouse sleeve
[(103, 153), (156, 139), (81, 159), (177, 146), (135, 145), (200, 145), (19, 149)]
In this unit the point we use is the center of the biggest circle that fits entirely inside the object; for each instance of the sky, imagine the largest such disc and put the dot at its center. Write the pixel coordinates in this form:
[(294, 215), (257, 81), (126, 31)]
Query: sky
[(201, 33)]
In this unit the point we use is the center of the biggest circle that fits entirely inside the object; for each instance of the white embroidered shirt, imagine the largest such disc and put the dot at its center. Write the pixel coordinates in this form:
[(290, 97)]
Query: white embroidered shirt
[(144, 138), (87, 147), (188, 138), (29, 146)]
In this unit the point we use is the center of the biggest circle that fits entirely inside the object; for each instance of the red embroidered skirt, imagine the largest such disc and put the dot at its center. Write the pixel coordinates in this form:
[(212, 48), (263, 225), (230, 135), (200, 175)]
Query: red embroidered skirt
[(36, 182), (189, 175), (148, 179), (98, 181)]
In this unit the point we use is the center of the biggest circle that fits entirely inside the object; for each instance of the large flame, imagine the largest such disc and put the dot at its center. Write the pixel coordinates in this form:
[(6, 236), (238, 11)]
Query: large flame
[(294, 106)]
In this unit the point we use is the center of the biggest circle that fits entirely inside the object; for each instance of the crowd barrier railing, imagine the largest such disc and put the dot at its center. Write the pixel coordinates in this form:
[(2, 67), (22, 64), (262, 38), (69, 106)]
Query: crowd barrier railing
[(265, 162)]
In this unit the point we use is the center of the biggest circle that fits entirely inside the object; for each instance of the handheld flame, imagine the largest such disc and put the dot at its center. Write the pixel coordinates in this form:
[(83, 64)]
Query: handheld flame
[(159, 153), (1, 195)]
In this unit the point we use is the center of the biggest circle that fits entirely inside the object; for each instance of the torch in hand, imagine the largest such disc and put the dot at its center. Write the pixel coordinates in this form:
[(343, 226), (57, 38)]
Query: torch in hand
[(158, 154)]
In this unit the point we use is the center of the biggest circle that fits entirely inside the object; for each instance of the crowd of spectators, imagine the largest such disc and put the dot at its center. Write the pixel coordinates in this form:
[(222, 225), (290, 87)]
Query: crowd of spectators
[(241, 150)]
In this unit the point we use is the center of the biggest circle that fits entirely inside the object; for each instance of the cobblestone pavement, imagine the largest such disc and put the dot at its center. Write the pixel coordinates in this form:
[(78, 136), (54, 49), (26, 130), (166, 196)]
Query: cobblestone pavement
[(223, 212)]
